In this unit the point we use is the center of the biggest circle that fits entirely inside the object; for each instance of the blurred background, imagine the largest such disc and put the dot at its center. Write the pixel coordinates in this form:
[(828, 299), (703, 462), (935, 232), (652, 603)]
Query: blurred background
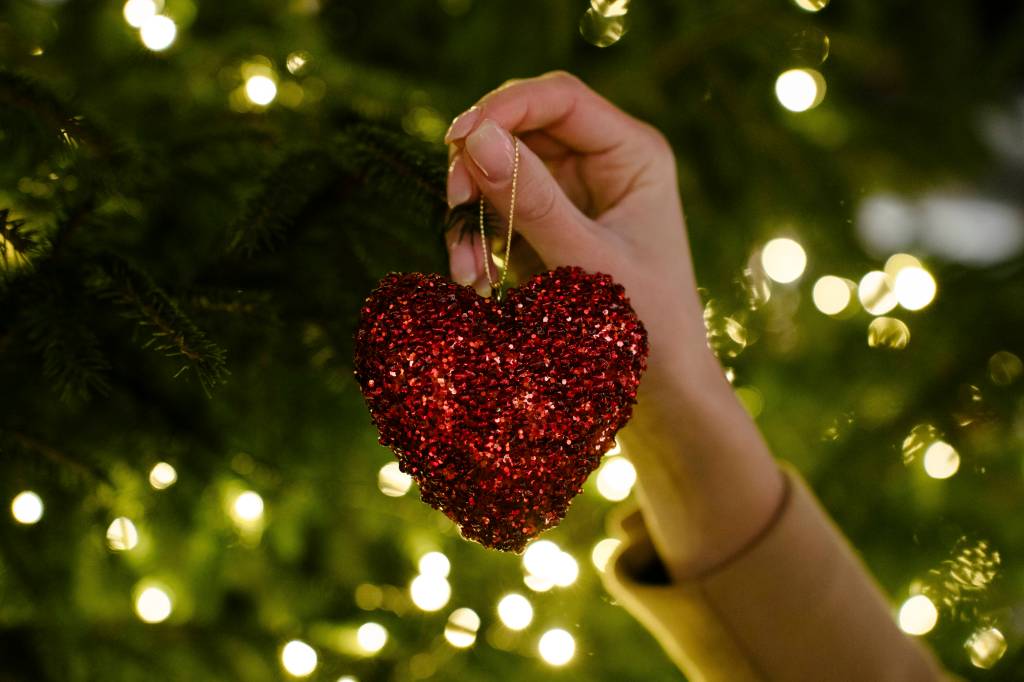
[(196, 196)]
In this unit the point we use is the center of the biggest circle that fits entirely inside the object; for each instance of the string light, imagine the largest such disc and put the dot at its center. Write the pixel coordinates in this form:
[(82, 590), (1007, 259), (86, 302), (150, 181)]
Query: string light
[(800, 89), (888, 332), (832, 295), (875, 292), (918, 615), (783, 260), (122, 535), (616, 478), (985, 647), (347, 678), (27, 507), (392, 481), (941, 460), (298, 658), (152, 603), (435, 564), (260, 90), (247, 508), (137, 11), (811, 5), (556, 647), (547, 565), (158, 32), (897, 262), (162, 476), (515, 611), (914, 288), (602, 553), (371, 637), (430, 592), (462, 627)]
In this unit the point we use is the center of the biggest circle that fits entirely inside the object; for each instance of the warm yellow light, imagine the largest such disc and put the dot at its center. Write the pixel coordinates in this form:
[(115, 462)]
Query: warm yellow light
[(941, 460), (918, 615), (430, 592), (888, 332), (1004, 368), (783, 260), (832, 295), (602, 553), (347, 678), (515, 611), (986, 647), (539, 556), (538, 583), (914, 287), (298, 658), (153, 604), (616, 450), (565, 570), (556, 647), (122, 534), (435, 564), (260, 90), (897, 262), (462, 628), (811, 5), (137, 11), (297, 61), (800, 89), (875, 293), (615, 479), (27, 507), (248, 508), (158, 32), (392, 481), (372, 637), (162, 476)]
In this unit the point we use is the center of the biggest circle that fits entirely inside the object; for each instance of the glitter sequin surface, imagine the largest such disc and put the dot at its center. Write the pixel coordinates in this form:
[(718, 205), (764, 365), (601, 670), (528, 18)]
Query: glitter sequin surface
[(500, 410)]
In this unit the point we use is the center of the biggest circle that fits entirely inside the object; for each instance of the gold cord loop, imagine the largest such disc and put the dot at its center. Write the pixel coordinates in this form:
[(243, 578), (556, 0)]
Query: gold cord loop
[(496, 287)]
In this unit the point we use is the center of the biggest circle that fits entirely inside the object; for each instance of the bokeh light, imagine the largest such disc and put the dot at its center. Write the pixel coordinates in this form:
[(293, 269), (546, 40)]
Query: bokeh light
[(833, 295), (162, 476), (392, 481), (1004, 368), (800, 89), (985, 647), (371, 637), (27, 507), (152, 603), (783, 260), (556, 647), (260, 90), (918, 615), (897, 262), (158, 32), (298, 658), (247, 508), (603, 551), (461, 629), (941, 460), (811, 5), (914, 288), (539, 556), (430, 592), (515, 611), (435, 564), (616, 478), (888, 332), (137, 11), (122, 535), (875, 292)]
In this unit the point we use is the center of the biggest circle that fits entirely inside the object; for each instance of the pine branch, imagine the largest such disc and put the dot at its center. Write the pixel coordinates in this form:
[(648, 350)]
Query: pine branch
[(171, 331)]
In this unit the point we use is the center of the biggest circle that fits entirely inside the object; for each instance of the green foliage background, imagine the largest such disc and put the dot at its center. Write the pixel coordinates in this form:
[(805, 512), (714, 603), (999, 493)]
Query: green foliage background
[(185, 282)]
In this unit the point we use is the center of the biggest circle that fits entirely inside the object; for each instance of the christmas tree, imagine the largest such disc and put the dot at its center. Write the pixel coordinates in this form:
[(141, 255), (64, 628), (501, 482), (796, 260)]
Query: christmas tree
[(197, 197)]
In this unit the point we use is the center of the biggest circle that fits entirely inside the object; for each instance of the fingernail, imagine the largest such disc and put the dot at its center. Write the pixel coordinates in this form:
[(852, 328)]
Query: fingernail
[(462, 124), (460, 188), (461, 259), (490, 147)]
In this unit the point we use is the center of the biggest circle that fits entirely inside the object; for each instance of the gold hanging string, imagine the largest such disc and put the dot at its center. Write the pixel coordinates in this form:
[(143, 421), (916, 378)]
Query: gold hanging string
[(496, 287)]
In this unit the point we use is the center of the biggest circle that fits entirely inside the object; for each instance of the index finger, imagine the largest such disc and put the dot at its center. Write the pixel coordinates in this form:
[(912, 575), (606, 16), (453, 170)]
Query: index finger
[(562, 106)]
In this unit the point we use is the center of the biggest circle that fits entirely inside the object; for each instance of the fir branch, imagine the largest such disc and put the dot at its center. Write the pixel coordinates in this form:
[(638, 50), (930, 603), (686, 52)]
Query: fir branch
[(171, 331), (54, 454)]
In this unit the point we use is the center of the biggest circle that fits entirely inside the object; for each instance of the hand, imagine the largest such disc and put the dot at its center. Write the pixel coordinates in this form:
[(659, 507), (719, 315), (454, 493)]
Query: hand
[(597, 188)]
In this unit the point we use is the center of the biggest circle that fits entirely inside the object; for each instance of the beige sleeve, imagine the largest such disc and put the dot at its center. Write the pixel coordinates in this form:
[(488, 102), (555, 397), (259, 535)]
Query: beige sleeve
[(796, 604)]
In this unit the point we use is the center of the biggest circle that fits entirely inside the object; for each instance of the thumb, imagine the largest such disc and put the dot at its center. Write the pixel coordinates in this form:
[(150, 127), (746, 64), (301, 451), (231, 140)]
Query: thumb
[(544, 215)]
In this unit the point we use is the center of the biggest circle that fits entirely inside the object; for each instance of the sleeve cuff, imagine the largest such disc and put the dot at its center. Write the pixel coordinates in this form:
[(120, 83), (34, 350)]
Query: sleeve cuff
[(795, 603)]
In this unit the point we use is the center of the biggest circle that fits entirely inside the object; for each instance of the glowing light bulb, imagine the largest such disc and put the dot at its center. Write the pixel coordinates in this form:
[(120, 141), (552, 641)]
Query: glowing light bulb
[(783, 260), (918, 615), (914, 287), (137, 11), (832, 295), (248, 508), (153, 604), (556, 647), (941, 460), (603, 551), (876, 294), (800, 89), (158, 32), (435, 564), (298, 658), (122, 535), (616, 478), (27, 507), (260, 90), (539, 556), (372, 637), (392, 481), (515, 611), (538, 583), (430, 592), (162, 476), (462, 628)]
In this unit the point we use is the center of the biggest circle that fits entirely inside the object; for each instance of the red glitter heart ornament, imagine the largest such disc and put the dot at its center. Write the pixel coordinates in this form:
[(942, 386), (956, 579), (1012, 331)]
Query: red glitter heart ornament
[(500, 409)]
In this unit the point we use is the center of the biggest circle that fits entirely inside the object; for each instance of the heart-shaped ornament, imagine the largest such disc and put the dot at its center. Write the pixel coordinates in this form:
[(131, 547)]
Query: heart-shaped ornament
[(500, 409)]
